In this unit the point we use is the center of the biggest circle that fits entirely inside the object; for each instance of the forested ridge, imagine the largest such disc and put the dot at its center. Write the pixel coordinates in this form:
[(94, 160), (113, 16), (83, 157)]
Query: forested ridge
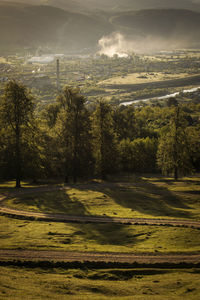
[(69, 139)]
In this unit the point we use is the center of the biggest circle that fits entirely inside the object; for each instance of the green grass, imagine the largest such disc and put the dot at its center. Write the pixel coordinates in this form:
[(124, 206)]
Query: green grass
[(21, 234), (126, 197), (25, 283)]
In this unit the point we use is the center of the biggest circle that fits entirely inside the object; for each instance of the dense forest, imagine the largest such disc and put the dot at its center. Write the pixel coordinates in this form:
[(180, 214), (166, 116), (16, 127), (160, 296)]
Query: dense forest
[(69, 139)]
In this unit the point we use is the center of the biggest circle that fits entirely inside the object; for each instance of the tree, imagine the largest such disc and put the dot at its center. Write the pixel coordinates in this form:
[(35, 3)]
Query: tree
[(193, 146), (17, 115), (6, 147), (124, 122), (105, 149), (138, 155), (73, 127), (173, 155)]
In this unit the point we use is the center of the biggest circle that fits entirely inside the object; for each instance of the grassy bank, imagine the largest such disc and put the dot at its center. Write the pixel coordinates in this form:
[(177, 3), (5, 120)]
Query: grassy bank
[(20, 234), (128, 196), (17, 283)]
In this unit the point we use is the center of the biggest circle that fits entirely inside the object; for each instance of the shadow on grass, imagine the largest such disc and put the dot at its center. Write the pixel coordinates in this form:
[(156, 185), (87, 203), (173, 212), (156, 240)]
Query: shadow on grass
[(58, 201), (109, 234), (141, 196), (55, 201), (153, 200), (145, 197)]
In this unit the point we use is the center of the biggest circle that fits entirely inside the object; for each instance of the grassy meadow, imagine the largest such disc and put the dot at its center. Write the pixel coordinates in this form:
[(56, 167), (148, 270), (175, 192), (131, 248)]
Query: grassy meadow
[(22, 234), (17, 283), (131, 196), (127, 196)]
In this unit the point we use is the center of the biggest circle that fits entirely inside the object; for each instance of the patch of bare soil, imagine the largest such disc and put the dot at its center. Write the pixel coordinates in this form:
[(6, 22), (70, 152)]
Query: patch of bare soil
[(150, 258)]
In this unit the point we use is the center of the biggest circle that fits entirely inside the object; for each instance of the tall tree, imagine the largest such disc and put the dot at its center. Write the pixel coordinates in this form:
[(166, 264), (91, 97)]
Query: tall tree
[(17, 114), (124, 122), (73, 126), (105, 149), (173, 155)]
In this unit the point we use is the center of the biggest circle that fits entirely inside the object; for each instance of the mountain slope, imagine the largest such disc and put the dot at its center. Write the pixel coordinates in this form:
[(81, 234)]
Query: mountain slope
[(171, 28), (114, 5), (32, 26), (23, 25), (166, 22)]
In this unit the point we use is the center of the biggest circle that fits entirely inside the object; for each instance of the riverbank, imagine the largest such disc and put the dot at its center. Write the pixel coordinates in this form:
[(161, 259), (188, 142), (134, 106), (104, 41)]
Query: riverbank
[(185, 91)]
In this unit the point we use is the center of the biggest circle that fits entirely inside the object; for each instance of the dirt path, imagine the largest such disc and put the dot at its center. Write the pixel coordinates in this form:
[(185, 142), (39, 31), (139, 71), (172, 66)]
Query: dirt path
[(93, 219), (4, 210), (56, 256)]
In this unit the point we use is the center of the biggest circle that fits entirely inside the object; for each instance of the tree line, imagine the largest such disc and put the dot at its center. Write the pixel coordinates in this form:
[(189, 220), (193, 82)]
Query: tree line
[(70, 139)]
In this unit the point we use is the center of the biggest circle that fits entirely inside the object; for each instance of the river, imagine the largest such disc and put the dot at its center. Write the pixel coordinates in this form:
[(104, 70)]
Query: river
[(161, 97)]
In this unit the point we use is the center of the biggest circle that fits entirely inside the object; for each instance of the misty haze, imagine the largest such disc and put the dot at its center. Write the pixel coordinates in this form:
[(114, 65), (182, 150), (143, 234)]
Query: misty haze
[(100, 149)]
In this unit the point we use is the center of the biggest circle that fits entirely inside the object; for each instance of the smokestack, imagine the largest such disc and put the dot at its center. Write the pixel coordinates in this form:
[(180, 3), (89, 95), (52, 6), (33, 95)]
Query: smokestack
[(58, 75)]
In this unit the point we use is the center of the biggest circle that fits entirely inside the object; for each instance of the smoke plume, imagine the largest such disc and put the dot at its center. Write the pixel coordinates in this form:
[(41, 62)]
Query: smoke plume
[(114, 44), (123, 45)]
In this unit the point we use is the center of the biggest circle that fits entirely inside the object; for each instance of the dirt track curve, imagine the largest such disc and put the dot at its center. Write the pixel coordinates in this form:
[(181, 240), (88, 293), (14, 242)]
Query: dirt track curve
[(146, 258), (92, 219), (61, 256)]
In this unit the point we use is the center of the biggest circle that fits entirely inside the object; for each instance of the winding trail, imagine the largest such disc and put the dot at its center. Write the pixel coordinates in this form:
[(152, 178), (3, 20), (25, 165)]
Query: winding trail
[(146, 258), (95, 219), (4, 210), (62, 256)]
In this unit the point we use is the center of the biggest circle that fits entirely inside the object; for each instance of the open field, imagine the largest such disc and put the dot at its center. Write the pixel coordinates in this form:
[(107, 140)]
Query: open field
[(22, 234), (152, 197), (128, 88), (143, 77), (147, 196), (140, 197), (59, 283), (181, 82)]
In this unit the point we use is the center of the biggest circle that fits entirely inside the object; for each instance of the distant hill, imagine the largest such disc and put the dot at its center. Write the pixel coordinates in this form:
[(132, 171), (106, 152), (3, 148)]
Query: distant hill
[(126, 5), (24, 25), (181, 27), (114, 5)]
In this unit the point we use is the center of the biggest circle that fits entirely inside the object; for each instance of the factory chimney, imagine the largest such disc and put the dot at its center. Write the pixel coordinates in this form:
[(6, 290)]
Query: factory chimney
[(58, 75)]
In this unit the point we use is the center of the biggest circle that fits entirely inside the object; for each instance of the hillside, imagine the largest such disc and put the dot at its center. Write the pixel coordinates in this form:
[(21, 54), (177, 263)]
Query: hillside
[(170, 27), (154, 4), (32, 26), (114, 5), (23, 25)]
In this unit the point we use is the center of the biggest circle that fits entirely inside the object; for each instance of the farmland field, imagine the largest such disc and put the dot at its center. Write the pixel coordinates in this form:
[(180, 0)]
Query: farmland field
[(143, 77)]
